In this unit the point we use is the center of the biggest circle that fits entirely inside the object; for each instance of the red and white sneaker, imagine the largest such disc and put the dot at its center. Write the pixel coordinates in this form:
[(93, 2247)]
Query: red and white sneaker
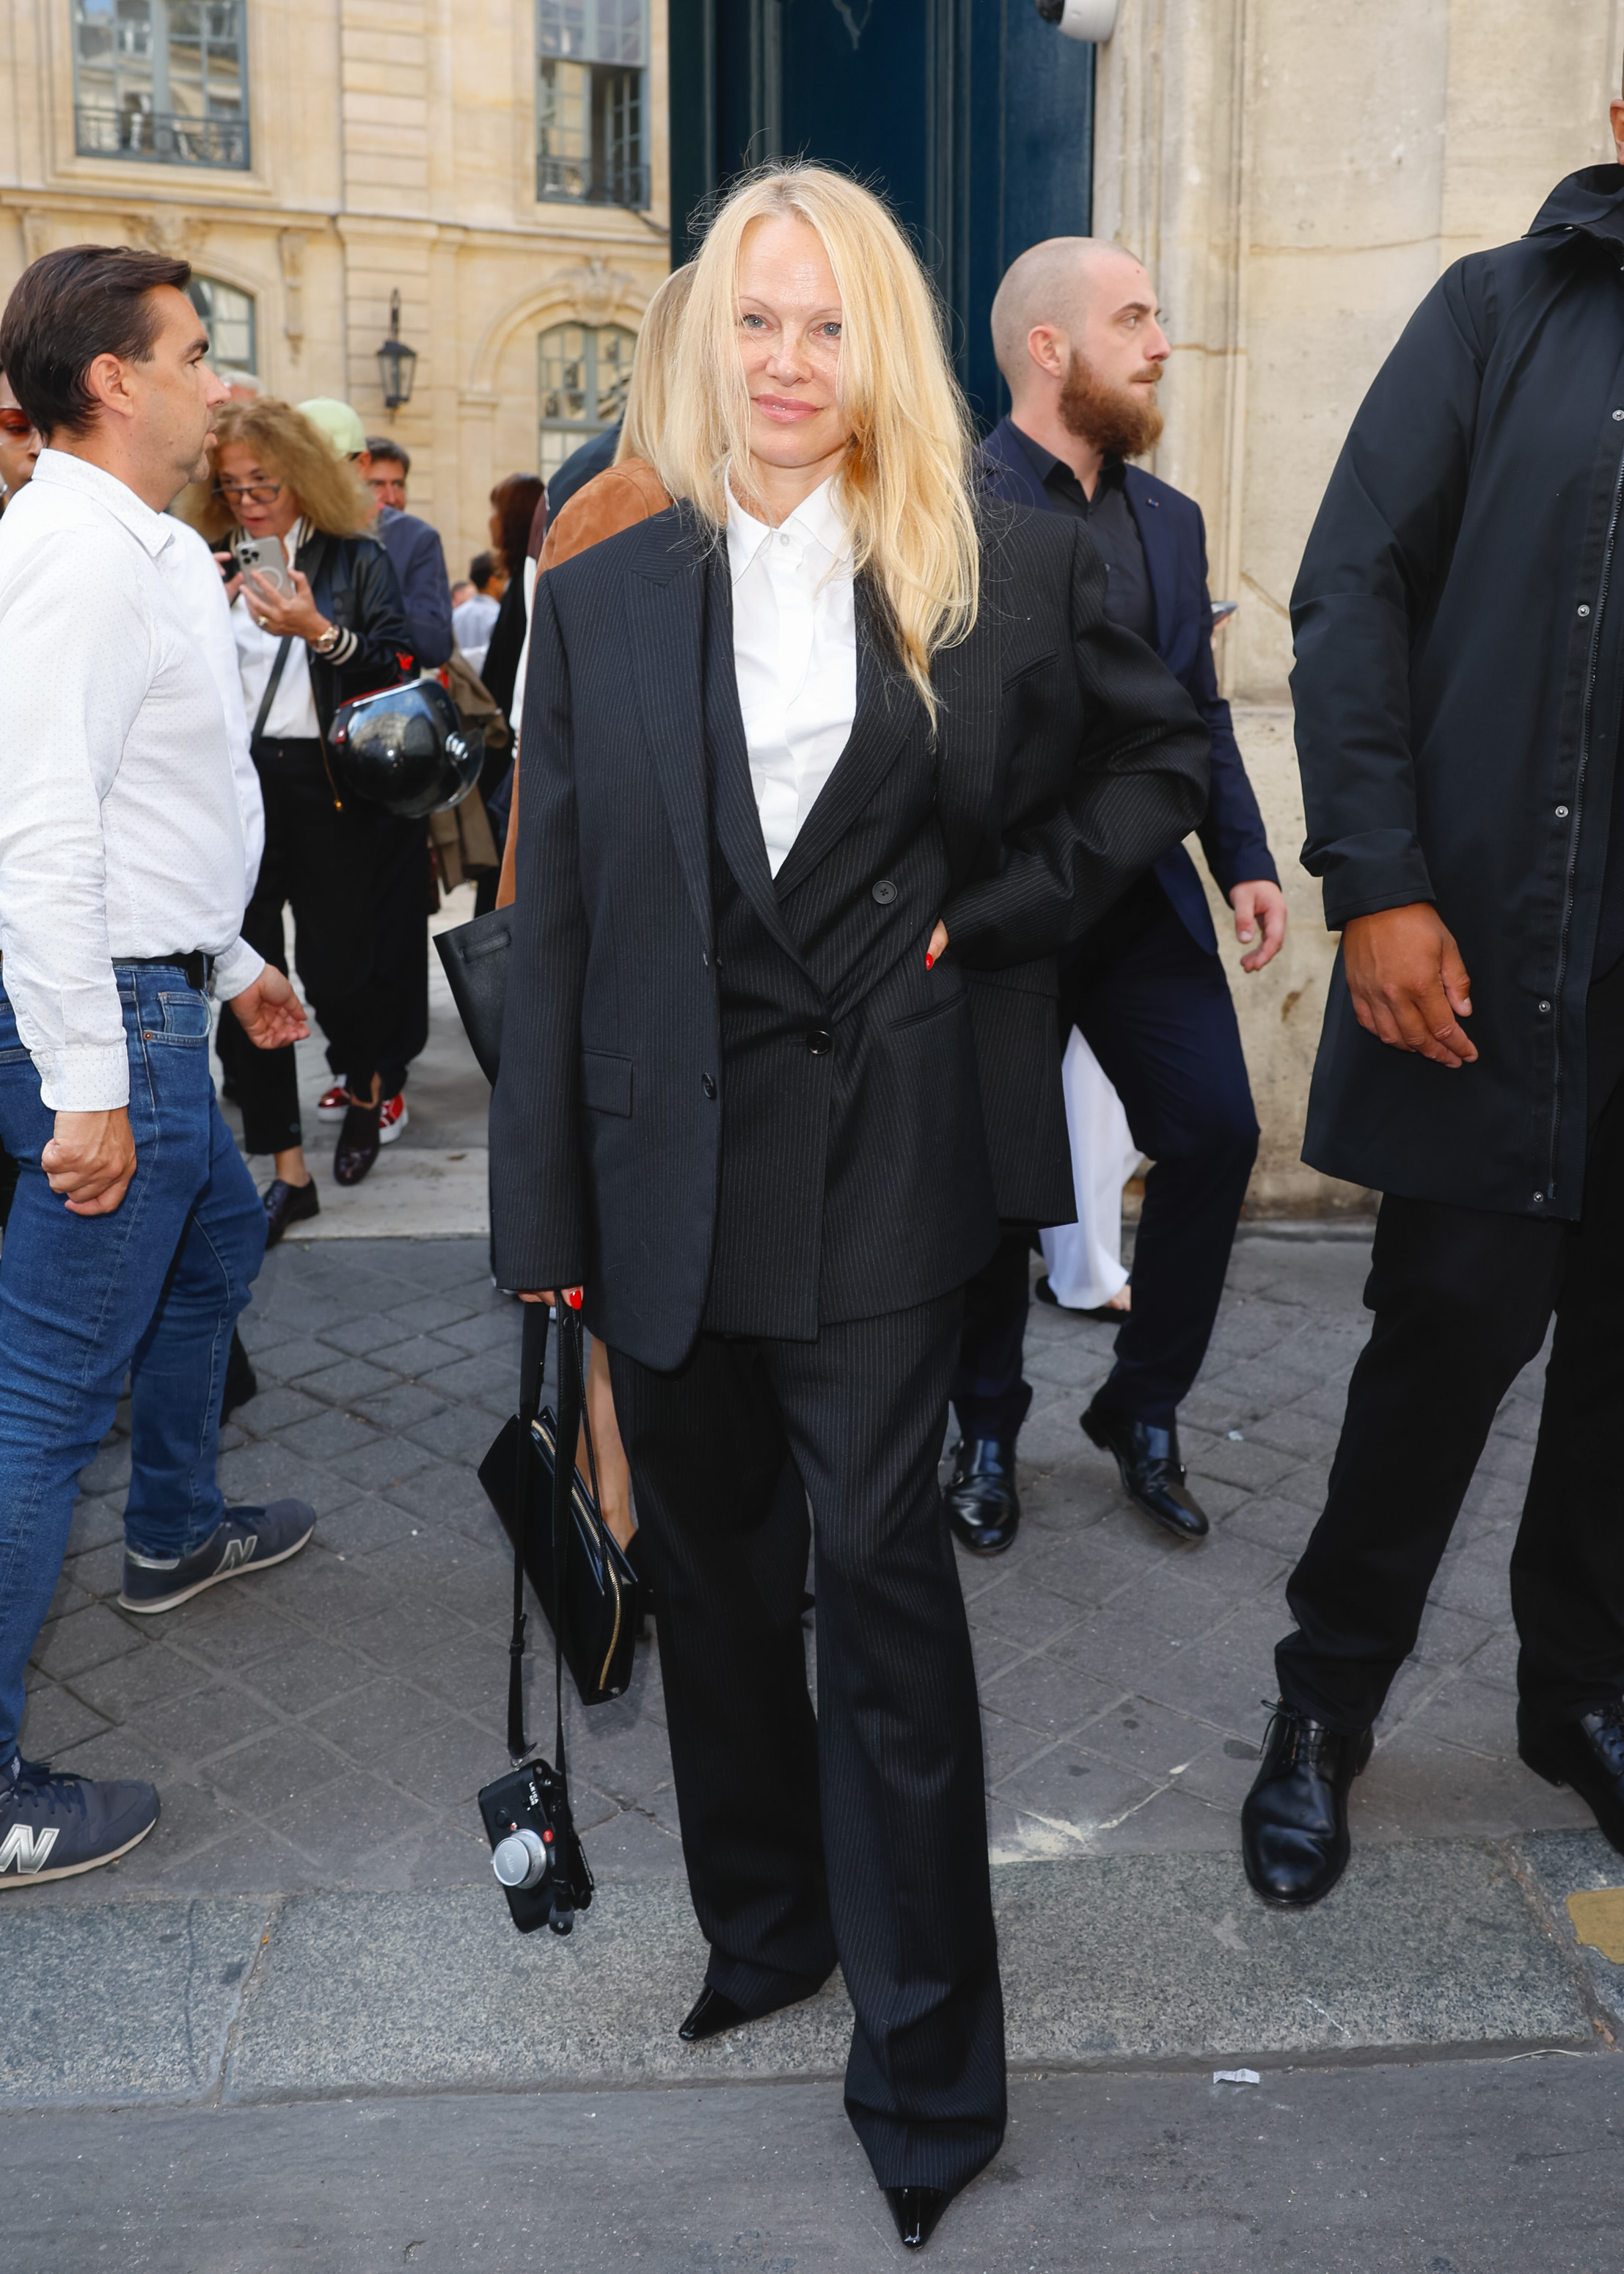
[(333, 1103), (393, 1115)]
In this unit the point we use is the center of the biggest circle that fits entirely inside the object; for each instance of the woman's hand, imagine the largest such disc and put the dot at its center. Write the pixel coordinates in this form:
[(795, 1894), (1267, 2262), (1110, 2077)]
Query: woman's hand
[(275, 612), (938, 944), (572, 1295)]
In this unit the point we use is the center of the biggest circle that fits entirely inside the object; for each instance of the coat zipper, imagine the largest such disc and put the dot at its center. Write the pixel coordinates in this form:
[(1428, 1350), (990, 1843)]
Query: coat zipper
[(1578, 812)]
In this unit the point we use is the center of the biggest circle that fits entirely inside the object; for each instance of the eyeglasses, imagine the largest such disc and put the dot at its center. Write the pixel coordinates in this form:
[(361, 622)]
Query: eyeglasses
[(17, 423), (259, 492)]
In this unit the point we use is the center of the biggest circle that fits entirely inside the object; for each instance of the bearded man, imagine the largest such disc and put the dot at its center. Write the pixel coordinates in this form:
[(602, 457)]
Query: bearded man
[(1075, 332)]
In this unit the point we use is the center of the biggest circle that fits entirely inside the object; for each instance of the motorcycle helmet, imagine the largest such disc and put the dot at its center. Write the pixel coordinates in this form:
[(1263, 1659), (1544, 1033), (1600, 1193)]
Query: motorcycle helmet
[(404, 748)]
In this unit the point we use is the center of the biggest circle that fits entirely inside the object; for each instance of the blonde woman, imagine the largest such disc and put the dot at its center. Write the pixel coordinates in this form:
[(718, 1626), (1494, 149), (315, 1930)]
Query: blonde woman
[(798, 752), (340, 633)]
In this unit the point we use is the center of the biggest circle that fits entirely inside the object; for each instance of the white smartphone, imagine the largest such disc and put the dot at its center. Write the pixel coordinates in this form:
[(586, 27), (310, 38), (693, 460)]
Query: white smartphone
[(268, 557)]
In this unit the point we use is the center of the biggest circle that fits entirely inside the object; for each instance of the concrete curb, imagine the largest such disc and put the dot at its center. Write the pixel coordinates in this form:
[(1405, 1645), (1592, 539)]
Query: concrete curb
[(1108, 1962)]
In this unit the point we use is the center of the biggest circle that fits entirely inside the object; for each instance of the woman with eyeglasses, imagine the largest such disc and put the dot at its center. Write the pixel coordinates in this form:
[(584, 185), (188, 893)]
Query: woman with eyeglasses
[(339, 863)]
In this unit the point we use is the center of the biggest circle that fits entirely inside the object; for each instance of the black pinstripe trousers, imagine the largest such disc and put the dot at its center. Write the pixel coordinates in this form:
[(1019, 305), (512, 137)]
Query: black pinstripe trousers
[(858, 1834)]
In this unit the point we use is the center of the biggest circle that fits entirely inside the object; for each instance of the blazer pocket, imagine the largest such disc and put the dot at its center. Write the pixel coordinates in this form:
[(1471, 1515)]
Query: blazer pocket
[(606, 1082), (1025, 670), (935, 1011)]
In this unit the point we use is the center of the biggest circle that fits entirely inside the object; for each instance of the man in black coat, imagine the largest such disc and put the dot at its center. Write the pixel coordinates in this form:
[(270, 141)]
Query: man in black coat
[(1074, 325), (1460, 673)]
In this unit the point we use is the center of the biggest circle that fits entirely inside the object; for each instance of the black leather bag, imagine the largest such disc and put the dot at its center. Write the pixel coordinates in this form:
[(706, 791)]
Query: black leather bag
[(475, 957), (596, 1624)]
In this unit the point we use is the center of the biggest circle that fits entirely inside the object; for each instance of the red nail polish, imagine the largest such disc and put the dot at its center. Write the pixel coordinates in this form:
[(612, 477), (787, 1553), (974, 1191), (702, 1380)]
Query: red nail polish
[(573, 1299), (929, 960)]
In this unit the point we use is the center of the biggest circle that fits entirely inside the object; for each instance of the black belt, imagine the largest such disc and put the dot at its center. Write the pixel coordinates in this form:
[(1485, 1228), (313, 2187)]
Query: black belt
[(197, 965)]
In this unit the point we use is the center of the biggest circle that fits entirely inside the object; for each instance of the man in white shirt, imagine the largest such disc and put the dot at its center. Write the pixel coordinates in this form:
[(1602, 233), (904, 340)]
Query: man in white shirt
[(136, 1232)]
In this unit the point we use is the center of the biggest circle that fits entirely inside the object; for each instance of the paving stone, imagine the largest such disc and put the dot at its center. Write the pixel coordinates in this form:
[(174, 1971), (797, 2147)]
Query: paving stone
[(295, 1361), (204, 1722), (363, 1525), (445, 1765), (54, 1719), (338, 1822), (275, 1769), (1081, 1793), (421, 1356), (461, 1433), (346, 1382), (1153, 1741), (1049, 1698), (84, 1639), (273, 1409), (406, 1407), (326, 1436), (378, 1716), (424, 1315)]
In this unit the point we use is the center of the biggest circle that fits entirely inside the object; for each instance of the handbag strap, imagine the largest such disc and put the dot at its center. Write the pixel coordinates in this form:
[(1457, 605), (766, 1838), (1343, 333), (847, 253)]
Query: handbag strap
[(572, 1404), (532, 1365), (269, 695)]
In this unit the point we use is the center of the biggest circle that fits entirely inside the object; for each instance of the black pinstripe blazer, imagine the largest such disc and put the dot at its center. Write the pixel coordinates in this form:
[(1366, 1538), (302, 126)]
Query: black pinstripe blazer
[(1066, 761)]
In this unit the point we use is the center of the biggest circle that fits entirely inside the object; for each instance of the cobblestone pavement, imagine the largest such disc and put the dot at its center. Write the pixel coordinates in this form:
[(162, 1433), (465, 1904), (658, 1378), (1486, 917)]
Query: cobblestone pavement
[(326, 1724)]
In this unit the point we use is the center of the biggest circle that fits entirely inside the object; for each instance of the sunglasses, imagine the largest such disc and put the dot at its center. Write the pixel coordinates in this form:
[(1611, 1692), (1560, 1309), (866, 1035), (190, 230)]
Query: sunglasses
[(16, 424), (258, 492)]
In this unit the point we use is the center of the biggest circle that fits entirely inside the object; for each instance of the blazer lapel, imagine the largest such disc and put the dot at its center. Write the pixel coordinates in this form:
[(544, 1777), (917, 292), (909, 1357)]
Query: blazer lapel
[(887, 709), (666, 601), (1156, 536), (738, 821)]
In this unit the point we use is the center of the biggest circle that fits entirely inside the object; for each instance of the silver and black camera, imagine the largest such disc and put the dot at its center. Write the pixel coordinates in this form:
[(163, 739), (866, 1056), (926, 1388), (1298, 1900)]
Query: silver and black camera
[(536, 1854)]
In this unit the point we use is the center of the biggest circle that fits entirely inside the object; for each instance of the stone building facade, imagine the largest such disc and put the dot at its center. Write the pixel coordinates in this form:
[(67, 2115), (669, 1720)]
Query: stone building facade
[(502, 168), (1296, 177)]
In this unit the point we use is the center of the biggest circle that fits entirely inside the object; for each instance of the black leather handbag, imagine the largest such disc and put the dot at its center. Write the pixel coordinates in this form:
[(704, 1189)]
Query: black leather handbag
[(587, 1587), (475, 957)]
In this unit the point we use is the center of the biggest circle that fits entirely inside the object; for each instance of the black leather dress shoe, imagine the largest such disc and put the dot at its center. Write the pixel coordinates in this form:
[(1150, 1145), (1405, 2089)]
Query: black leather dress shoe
[(916, 2211), (1153, 1475), (1588, 1755), (358, 1144), (1293, 1825), (983, 1507), (286, 1204), (712, 2015)]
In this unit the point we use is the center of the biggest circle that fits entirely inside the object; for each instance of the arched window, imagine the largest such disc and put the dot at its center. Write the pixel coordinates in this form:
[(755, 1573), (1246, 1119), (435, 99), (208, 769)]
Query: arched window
[(164, 81), (229, 320), (584, 371)]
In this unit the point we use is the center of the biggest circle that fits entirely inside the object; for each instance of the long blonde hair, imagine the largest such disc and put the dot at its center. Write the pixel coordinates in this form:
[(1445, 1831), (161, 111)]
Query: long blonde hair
[(651, 367), (328, 490), (904, 486)]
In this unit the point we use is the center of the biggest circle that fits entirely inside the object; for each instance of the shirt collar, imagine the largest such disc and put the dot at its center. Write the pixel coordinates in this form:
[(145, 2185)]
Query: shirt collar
[(62, 470), (1044, 464), (817, 520)]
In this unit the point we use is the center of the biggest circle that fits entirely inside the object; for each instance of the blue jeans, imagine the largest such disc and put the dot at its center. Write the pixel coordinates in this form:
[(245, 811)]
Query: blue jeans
[(153, 1288)]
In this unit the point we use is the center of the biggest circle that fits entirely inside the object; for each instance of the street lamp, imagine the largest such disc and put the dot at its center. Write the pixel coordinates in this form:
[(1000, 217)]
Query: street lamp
[(397, 363)]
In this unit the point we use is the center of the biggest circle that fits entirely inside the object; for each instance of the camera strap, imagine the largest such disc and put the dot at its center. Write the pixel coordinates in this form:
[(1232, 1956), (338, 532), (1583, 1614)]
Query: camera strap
[(571, 1420)]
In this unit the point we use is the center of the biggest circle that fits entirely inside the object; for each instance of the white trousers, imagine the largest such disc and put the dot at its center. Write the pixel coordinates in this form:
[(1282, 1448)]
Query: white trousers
[(1085, 1258)]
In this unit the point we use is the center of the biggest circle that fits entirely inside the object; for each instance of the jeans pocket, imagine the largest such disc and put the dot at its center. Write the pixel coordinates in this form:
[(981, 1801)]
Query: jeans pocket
[(185, 1020)]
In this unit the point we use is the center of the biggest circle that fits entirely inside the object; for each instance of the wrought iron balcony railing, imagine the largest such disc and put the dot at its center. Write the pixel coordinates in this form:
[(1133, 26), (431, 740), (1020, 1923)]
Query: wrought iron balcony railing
[(162, 137)]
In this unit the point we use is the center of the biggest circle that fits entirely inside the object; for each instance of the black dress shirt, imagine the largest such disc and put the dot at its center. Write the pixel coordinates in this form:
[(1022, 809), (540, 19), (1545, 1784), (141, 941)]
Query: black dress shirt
[(1128, 598)]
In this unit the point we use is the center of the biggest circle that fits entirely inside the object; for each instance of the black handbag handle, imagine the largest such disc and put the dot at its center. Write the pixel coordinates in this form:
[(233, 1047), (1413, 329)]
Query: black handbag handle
[(572, 1418)]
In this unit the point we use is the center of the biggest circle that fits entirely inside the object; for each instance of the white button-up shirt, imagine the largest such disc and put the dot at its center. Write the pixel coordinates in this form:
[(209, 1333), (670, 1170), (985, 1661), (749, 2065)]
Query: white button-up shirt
[(120, 830), (794, 656)]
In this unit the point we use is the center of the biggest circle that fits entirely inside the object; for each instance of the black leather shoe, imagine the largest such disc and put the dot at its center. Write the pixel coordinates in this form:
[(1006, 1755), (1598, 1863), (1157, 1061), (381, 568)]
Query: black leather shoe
[(983, 1505), (242, 1383), (713, 2014), (916, 2212), (1588, 1755), (1153, 1475), (286, 1204), (1293, 1825), (358, 1144)]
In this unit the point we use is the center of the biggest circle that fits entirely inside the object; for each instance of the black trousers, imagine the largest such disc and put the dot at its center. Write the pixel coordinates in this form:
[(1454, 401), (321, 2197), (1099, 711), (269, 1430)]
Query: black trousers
[(1155, 1010), (1463, 1298), (356, 880), (858, 1834)]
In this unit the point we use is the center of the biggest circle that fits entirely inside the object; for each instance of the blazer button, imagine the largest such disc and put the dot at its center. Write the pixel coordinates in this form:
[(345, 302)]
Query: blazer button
[(708, 1085), (885, 891), (819, 1040)]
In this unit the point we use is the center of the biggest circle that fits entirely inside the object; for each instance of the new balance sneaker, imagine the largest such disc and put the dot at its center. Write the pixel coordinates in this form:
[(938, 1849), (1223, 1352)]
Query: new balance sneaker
[(54, 1825), (392, 1117), (333, 1103), (244, 1540)]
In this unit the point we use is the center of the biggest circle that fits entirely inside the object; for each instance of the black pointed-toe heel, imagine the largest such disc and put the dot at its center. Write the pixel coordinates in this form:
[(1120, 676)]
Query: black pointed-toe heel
[(917, 2211), (712, 2015)]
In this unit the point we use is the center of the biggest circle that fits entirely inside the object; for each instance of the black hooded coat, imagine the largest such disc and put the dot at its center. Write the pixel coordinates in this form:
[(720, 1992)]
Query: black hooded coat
[(1460, 672)]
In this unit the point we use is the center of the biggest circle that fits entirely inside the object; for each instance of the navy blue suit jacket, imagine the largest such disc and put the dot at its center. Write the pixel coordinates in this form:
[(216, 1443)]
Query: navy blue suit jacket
[(419, 563), (1174, 539)]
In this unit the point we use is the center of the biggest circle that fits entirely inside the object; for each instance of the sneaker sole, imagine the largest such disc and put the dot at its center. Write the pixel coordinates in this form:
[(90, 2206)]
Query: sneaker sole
[(331, 1112), (72, 1870), (388, 1136), (237, 1571)]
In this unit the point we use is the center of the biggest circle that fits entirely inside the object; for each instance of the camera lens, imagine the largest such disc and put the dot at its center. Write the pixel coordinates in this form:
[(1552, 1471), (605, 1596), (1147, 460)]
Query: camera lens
[(520, 1861)]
